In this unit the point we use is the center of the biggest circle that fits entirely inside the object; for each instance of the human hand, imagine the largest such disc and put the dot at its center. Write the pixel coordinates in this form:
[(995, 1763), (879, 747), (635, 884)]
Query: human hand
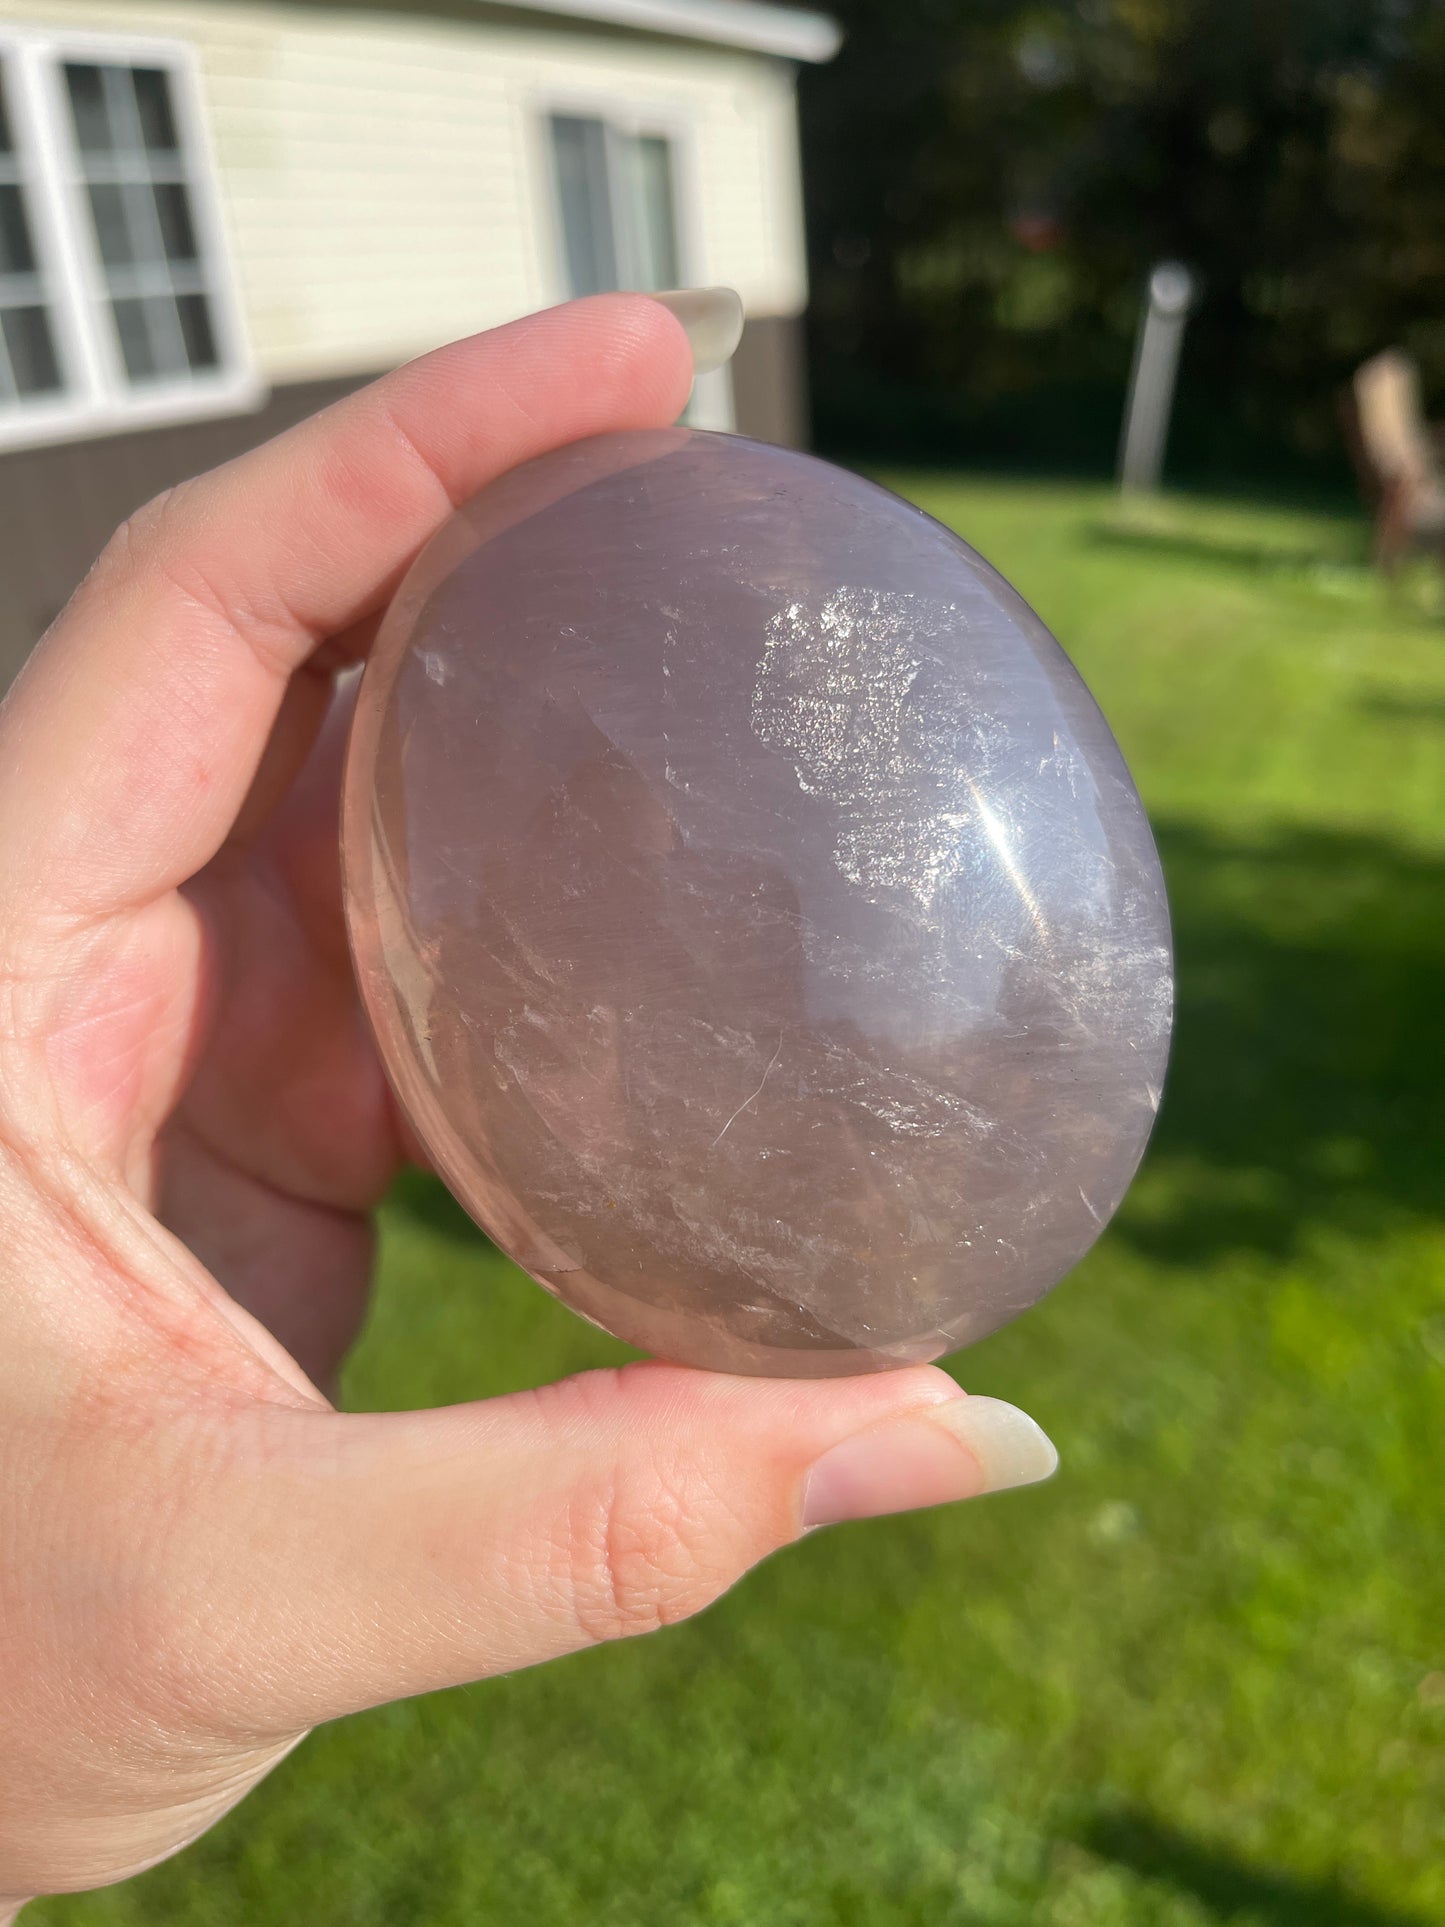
[(199, 1557)]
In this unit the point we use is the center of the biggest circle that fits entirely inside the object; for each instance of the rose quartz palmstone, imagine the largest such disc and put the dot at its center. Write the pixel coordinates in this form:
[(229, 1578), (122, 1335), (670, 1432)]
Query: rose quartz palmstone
[(758, 922)]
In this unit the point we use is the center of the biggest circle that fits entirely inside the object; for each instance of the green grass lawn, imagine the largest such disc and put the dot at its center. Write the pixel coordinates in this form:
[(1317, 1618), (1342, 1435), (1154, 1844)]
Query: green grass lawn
[(1199, 1678)]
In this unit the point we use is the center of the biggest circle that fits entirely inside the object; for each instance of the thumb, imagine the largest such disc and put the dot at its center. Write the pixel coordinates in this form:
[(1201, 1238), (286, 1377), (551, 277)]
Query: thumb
[(396, 1554)]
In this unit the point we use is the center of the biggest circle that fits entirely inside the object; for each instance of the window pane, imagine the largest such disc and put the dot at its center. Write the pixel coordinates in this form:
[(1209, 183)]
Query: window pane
[(139, 193), (196, 330), (579, 151), (31, 350), (153, 103), (112, 230), (135, 339), (7, 141), (174, 213), (87, 109), (17, 256), (654, 209)]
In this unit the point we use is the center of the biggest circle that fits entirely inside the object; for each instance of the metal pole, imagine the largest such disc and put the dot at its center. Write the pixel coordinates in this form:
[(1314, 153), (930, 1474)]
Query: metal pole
[(1151, 385)]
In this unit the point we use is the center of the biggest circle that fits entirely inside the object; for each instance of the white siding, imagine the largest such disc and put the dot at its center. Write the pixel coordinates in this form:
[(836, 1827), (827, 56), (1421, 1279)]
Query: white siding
[(384, 177)]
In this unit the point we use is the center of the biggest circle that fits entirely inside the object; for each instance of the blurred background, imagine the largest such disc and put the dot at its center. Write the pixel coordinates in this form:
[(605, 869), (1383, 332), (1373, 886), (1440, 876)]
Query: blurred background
[(1199, 1678)]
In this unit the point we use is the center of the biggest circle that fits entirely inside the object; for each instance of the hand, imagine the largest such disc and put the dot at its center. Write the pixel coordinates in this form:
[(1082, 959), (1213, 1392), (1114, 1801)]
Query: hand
[(199, 1557)]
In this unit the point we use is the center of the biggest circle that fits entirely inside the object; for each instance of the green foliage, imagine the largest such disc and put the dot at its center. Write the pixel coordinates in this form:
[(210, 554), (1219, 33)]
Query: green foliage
[(990, 181), (1197, 1680)]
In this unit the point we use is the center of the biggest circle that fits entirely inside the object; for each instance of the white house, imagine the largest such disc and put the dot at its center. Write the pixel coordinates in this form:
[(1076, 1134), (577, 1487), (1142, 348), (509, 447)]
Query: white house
[(217, 214)]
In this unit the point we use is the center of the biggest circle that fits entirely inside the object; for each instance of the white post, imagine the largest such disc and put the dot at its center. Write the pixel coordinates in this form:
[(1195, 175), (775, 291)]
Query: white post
[(1151, 385)]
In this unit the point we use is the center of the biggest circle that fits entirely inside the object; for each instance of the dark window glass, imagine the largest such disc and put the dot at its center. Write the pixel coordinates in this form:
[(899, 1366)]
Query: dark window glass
[(656, 239), (31, 350), (17, 256), (174, 213), (153, 103), (196, 330), (86, 86), (112, 230), (135, 339), (126, 125), (579, 152), (616, 201)]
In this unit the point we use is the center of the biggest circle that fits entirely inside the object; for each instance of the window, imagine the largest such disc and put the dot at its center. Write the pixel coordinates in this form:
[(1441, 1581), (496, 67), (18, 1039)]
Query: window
[(29, 365), (617, 205), (140, 211), (616, 183), (116, 306)]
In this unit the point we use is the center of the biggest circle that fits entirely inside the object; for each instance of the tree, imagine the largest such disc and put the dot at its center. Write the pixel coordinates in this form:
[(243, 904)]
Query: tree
[(990, 181)]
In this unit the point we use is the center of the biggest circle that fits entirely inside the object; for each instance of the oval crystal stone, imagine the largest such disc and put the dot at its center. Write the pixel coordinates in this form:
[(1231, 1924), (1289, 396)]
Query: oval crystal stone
[(756, 917)]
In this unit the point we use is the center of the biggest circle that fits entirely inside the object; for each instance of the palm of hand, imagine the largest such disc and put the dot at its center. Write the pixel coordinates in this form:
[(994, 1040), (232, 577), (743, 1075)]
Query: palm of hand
[(204, 1055), (286, 1136), (199, 1557)]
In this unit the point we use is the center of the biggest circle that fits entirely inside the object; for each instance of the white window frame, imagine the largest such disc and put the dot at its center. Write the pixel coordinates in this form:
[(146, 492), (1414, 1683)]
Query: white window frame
[(97, 398), (712, 398)]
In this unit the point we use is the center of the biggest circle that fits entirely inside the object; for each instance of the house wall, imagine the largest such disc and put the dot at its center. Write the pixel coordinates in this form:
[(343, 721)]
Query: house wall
[(385, 182), (385, 188), (60, 504)]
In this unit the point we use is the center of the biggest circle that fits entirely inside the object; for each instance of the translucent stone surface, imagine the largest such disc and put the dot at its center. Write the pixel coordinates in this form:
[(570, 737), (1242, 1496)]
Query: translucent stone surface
[(758, 921)]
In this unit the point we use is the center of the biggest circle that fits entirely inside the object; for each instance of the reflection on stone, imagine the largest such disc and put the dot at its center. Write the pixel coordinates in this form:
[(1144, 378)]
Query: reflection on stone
[(758, 921)]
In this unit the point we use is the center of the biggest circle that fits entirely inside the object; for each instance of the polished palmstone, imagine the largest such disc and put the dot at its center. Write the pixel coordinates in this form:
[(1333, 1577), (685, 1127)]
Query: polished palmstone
[(757, 919)]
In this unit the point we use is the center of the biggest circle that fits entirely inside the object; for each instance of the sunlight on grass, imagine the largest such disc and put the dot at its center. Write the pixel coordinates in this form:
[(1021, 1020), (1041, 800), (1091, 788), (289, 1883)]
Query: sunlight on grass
[(1198, 1679)]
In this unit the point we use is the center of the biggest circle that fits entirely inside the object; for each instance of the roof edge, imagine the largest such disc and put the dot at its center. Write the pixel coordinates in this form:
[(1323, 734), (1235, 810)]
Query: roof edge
[(792, 33)]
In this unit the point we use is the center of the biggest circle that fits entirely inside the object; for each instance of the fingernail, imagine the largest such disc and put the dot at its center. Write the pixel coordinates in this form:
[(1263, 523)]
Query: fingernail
[(712, 319), (955, 1450)]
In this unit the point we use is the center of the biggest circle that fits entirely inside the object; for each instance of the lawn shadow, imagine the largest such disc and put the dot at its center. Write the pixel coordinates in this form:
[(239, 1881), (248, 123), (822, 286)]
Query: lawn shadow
[(1309, 1057), (1424, 710), (1231, 1888), (425, 1200), (1228, 550)]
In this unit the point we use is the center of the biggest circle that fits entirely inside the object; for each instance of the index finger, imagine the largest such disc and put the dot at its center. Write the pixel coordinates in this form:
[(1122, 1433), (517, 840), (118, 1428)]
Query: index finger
[(129, 743)]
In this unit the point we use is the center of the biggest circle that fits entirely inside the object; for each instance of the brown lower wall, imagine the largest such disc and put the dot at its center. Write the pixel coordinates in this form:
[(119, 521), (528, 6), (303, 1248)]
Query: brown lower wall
[(59, 505), (770, 381)]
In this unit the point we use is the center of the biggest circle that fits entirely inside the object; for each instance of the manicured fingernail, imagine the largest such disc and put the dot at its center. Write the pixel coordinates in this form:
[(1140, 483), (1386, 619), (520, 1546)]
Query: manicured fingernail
[(956, 1450), (713, 321)]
